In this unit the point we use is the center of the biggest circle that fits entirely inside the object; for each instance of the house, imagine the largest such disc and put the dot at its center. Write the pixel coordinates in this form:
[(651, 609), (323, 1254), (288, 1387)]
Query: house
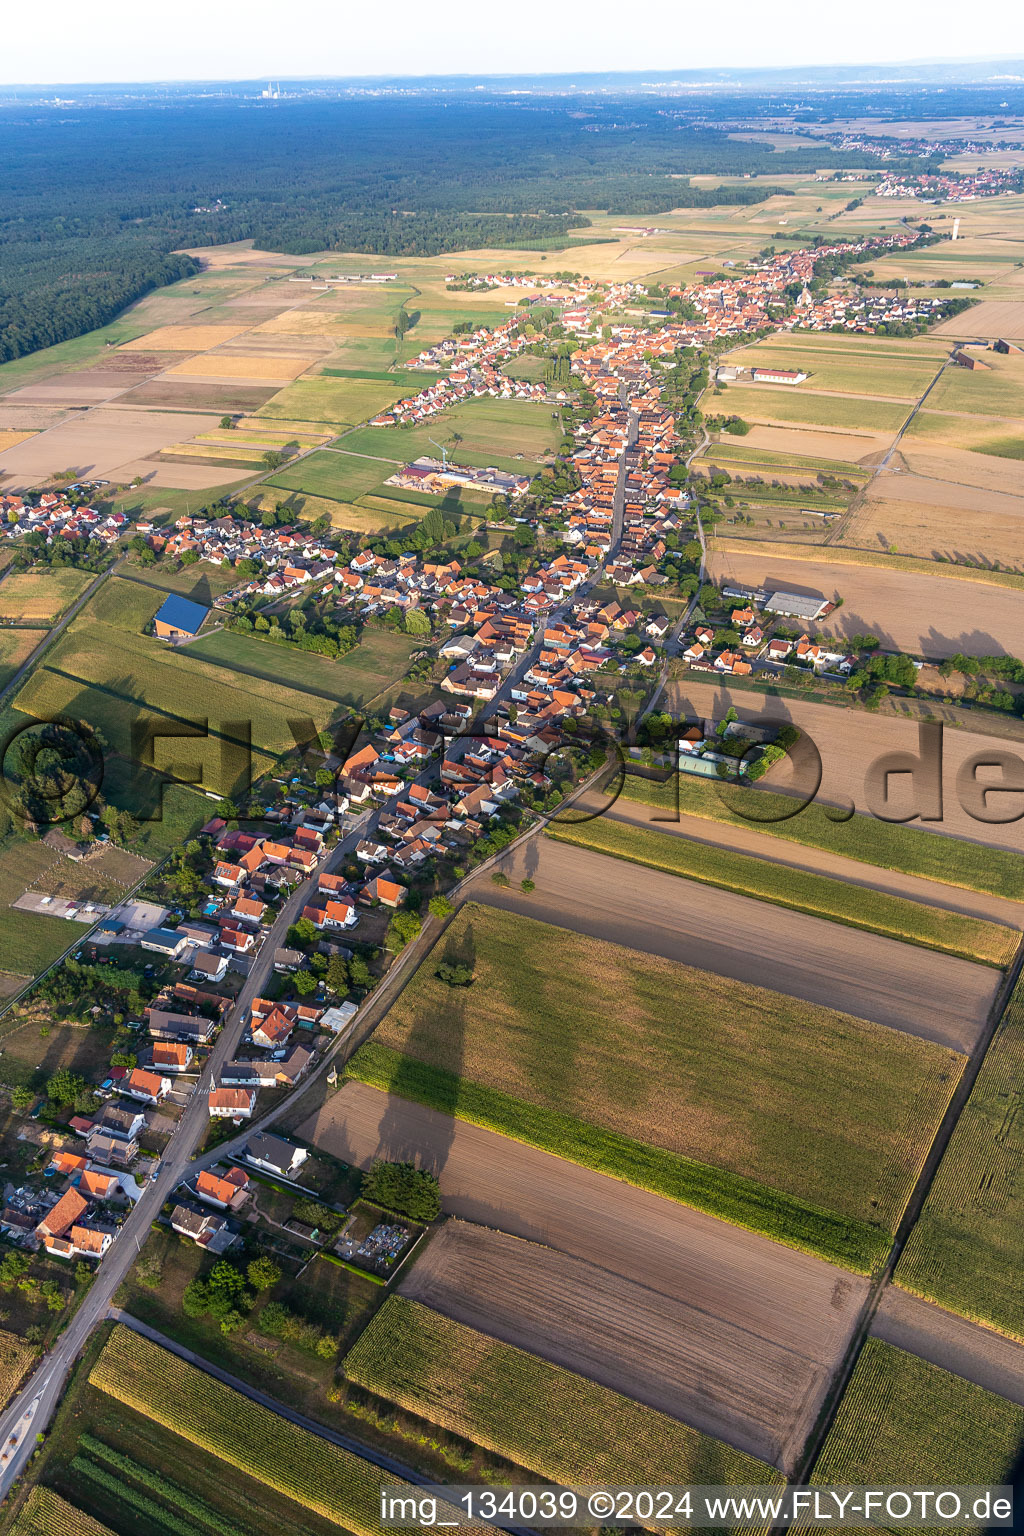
[(203, 1227), (150, 1087), (229, 875), (288, 959), (272, 1029), (181, 1026), (62, 1217), (113, 1151), (171, 1056), (179, 619), (209, 967), (777, 376), (88, 1242), (228, 1191), (275, 1154), (388, 892), (232, 1103)]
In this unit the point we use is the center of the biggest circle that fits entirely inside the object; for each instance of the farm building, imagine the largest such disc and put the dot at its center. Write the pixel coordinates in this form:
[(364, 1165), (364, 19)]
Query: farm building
[(777, 375), (968, 360), (179, 619), (796, 605)]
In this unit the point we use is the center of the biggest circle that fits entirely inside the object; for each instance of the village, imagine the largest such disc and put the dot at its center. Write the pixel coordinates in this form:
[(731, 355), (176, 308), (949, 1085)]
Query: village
[(360, 843)]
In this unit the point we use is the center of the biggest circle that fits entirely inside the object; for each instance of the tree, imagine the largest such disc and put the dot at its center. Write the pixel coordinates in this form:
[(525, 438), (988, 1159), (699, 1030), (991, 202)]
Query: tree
[(227, 423), (22, 1098), (262, 1273), (528, 885), (416, 622), (305, 983), (403, 1188), (454, 975), (302, 933), (324, 778), (440, 906), (403, 928), (337, 975), (64, 1086), (273, 458)]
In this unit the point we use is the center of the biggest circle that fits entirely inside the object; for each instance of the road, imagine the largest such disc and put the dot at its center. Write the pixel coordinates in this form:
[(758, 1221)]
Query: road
[(47, 1381)]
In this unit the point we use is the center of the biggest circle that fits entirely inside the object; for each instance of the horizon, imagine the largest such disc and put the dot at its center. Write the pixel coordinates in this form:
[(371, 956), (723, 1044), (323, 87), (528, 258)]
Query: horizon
[(107, 47)]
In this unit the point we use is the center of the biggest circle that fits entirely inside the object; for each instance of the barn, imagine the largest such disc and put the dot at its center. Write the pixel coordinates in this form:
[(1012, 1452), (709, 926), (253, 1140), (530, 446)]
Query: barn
[(179, 619)]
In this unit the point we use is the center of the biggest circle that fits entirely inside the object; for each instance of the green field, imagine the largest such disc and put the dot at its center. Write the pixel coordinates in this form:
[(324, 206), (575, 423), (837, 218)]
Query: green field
[(338, 401), (882, 843), (671, 1078), (332, 1483), (124, 603), (379, 660), (964, 1251), (1002, 448), (40, 597), (777, 403), (905, 1422), (816, 895), (507, 434), (339, 476), (488, 1392)]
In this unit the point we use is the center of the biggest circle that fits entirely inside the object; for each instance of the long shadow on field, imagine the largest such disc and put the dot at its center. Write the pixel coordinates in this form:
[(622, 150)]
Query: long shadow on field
[(1015, 1480), (435, 1040)]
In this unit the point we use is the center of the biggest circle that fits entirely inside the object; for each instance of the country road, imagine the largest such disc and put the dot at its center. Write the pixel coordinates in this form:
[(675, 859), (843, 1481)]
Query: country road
[(45, 1386)]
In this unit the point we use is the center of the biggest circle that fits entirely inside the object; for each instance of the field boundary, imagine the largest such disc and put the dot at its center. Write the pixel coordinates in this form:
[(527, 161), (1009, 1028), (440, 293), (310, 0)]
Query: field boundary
[(855, 1245)]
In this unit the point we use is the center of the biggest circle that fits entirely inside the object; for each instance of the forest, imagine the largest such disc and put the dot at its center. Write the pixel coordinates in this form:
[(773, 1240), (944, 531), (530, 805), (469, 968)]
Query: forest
[(99, 197)]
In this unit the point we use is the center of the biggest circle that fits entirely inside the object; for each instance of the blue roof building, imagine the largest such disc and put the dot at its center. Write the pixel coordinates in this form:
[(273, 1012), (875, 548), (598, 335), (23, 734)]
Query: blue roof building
[(179, 619)]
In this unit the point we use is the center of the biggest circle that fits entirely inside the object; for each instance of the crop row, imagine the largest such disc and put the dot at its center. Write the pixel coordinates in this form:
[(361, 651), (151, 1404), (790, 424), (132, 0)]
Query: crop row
[(45, 1513), (131, 1499), (488, 1392), (321, 1477), (149, 1478)]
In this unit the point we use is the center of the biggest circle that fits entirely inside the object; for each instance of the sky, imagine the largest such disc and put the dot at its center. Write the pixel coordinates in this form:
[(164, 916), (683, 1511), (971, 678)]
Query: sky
[(125, 40)]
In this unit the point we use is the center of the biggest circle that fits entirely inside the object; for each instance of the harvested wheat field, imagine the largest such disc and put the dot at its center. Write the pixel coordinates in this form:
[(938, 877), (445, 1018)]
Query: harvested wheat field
[(990, 319), (303, 322), (907, 610), (9, 438), (934, 997), (97, 442), (935, 517), (849, 741), (183, 338), (230, 365), (743, 1310), (986, 470), (805, 442), (183, 477)]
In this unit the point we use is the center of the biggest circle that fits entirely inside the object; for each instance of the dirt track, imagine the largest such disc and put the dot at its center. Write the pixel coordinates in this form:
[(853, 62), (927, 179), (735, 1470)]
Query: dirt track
[(819, 861), (733, 1333), (935, 997), (931, 616), (957, 1345), (850, 740)]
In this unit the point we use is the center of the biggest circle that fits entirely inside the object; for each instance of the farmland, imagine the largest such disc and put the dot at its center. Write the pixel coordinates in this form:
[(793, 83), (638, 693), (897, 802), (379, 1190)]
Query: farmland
[(507, 434), (815, 895), (905, 1421), (318, 1476), (40, 597), (912, 612), (964, 1250), (739, 1356), (16, 646), (884, 844), (337, 475), (488, 1391), (849, 741), (533, 1052), (754, 943), (45, 1513), (861, 366), (767, 403), (340, 402), (15, 1358), (378, 661)]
